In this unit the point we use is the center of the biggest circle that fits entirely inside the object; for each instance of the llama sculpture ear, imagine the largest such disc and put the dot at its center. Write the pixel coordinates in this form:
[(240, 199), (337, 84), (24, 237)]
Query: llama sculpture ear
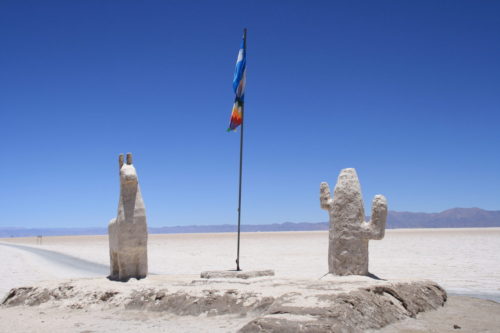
[(120, 160), (129, 158)]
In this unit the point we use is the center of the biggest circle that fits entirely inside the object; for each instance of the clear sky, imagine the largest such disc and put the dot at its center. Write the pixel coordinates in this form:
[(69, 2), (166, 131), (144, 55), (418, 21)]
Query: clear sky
[(407, 92)]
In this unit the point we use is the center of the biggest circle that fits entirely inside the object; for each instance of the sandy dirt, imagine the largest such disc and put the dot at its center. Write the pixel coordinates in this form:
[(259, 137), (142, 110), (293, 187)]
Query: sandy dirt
[(472, 315), (29, 319), (460, 314), (349, 303)]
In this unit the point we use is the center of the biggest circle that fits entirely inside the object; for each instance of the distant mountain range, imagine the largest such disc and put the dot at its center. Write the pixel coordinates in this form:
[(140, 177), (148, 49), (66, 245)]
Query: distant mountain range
[(451, 218)]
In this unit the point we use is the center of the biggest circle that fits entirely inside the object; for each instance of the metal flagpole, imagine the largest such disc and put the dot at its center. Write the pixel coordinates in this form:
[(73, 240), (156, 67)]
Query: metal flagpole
[(241, 161)]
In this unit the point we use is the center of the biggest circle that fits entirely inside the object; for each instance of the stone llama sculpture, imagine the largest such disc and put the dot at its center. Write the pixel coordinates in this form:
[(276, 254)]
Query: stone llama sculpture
[(349, 233), (128, 235)]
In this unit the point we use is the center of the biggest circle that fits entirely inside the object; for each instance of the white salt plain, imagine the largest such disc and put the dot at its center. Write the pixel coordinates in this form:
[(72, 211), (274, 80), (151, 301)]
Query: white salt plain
[(463, 261)]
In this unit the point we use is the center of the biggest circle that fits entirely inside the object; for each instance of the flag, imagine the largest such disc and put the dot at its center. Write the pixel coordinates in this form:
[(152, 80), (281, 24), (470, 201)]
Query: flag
[(239, 81)]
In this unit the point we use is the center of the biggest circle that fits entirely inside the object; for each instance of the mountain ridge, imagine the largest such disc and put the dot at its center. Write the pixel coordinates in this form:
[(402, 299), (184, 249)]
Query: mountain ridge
[(451, 218)]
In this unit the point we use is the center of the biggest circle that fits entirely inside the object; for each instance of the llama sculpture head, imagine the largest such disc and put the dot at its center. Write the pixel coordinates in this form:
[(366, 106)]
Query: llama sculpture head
[(128, 175)]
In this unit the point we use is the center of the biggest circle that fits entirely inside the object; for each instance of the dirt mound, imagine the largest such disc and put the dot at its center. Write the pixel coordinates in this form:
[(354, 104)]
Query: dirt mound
[(270, 304)]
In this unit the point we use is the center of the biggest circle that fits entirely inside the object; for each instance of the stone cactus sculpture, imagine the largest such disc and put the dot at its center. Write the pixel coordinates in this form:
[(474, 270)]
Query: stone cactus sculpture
[(128, 234), (349, 233)]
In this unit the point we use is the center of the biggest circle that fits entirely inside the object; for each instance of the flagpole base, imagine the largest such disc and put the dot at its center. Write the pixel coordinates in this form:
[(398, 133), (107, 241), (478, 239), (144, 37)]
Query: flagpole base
[(236, 274)]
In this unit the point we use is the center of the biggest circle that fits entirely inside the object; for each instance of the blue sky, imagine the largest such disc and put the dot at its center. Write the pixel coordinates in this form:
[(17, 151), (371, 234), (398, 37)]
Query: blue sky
[(407, 92)]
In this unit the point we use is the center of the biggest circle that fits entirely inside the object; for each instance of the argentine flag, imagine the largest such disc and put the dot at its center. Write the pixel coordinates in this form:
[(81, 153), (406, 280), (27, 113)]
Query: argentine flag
[(239, 82)]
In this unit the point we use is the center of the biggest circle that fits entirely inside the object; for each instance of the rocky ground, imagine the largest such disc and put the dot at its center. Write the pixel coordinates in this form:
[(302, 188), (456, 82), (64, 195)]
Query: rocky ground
[(265, 304)]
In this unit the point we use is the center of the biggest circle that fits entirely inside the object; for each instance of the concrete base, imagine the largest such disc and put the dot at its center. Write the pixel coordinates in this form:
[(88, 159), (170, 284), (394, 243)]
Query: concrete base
[(235, 274)]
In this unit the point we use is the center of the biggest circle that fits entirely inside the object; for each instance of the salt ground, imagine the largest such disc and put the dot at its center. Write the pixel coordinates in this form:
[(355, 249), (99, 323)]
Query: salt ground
[(463, 261)]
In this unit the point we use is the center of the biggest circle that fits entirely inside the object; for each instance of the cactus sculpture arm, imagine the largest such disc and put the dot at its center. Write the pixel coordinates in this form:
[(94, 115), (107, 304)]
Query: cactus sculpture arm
[(349, 232), (375, 228)]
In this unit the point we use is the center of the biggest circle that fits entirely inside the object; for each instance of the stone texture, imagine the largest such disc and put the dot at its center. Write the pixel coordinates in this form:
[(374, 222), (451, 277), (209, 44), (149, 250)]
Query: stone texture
[(128, 235), (268, 304), (349, 232), (356, 311), (235, 274)]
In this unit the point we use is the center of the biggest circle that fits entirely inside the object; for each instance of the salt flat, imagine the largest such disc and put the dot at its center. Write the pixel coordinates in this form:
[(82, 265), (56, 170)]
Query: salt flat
[(463, 261)]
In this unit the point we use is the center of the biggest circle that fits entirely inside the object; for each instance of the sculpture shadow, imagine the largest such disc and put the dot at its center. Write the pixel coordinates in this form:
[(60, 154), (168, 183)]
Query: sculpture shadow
[(373, 276), (115, 279)]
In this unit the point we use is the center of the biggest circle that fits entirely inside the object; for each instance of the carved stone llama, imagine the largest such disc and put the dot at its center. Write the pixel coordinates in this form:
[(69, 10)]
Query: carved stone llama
[(128, 234), (349, 233)]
